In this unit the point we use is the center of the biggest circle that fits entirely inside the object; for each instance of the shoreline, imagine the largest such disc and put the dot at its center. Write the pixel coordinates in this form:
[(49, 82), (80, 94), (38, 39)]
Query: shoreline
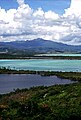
[(74, 76), (43, 57)]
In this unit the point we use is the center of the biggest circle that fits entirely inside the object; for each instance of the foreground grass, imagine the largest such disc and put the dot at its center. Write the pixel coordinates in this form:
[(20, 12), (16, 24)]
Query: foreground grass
[(61, 102)]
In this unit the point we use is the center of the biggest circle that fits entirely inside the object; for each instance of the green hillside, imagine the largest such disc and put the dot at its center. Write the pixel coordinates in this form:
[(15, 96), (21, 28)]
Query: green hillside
[(61, 102)]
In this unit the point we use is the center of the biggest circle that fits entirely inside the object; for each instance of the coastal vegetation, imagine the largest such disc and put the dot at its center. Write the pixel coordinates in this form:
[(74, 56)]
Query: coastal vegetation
[(60, 102)]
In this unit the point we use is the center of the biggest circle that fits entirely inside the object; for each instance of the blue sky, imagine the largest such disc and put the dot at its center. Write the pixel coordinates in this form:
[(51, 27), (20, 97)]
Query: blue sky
[(56, 20), (55, 5)]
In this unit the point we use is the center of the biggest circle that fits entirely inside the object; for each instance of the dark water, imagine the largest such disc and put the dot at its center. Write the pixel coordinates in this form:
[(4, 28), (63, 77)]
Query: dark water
[(9, 82)]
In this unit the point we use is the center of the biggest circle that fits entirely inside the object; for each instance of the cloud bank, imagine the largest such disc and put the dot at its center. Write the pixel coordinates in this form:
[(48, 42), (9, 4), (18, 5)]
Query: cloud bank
[(24, 23)]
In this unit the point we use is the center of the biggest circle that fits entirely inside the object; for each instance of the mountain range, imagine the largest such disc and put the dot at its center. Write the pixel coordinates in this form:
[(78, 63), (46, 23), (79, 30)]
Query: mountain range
[(38, 46)]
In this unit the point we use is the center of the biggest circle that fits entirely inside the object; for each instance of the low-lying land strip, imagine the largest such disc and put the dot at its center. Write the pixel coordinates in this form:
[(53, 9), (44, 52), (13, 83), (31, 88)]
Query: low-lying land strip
[(9, 56)]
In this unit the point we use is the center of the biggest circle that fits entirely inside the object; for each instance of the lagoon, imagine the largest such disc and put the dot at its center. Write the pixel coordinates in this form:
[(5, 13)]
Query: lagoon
[(43, 65), (9, 82)]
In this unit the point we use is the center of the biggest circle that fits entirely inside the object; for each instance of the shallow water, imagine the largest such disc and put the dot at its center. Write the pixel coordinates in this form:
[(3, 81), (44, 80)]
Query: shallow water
[(43, 65)]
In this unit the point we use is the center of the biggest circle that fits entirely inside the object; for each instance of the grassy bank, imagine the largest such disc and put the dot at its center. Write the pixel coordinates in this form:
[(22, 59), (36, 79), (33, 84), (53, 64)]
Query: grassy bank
[(61, 102)]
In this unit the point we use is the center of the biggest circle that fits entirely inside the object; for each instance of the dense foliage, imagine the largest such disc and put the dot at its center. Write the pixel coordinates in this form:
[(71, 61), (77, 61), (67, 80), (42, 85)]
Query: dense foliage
[(61, 102)]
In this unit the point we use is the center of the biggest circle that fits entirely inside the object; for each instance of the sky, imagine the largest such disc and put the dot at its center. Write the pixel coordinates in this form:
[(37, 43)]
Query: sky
[(55, 20), (55, 5)]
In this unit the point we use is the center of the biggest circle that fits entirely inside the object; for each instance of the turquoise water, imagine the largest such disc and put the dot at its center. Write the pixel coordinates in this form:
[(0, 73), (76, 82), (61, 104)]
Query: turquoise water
[(43, 64), (63, 54)]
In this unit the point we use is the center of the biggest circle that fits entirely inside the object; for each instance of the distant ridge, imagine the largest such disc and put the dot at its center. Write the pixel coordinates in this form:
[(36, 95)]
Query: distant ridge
[(39, 45)]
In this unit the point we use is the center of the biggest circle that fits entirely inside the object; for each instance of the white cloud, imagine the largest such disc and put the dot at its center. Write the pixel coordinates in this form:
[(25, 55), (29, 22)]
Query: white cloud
[(20, 2), (38, 13), (51, 15), (25, 23), (74, 8)]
